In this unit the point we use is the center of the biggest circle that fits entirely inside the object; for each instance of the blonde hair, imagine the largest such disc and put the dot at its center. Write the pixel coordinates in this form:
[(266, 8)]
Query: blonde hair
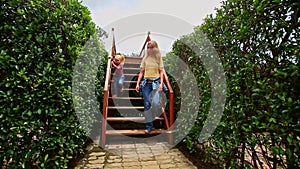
[(120, 57), (155, 50)]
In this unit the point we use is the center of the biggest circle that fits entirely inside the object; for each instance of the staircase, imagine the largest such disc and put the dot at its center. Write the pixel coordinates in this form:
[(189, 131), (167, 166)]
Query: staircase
[(124, 115)]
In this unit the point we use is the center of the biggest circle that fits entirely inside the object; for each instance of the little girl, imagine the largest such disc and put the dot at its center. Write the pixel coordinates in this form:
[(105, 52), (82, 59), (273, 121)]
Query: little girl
[(118, 78)]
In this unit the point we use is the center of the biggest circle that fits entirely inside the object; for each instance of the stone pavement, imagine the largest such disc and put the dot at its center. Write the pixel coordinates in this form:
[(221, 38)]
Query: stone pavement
[(155, 155)]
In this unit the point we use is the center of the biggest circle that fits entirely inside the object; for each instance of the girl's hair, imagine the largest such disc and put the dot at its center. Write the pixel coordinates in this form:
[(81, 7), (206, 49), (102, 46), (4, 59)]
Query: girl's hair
[(155, 51), (120, 57)]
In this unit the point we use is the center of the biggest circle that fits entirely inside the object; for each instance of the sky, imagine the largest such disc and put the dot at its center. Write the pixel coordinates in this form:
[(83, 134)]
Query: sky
[(166, 20)]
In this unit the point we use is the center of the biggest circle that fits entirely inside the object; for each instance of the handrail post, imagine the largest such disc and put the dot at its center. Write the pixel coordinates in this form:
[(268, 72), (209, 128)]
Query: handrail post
[(171, 107), (147, 40), (113, 46)]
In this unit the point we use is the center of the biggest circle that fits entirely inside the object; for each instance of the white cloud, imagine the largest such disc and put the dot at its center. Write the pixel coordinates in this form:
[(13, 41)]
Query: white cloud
[(115, 13), (192, 11)]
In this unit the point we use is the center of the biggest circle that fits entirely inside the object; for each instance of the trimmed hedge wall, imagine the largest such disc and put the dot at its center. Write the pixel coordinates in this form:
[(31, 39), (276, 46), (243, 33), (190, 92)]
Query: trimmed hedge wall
[(40, 42), (258, 44)]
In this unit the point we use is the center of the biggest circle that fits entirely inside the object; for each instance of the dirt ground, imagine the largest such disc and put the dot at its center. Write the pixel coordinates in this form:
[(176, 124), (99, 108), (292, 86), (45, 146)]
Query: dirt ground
[(196, 158)]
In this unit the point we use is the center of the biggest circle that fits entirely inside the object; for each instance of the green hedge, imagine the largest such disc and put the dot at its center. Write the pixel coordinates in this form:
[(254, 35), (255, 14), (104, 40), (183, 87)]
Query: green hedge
[(258, 44), (40, 43)]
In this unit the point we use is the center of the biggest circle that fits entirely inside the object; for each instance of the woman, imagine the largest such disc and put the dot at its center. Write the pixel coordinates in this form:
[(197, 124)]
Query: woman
[(150, 80)]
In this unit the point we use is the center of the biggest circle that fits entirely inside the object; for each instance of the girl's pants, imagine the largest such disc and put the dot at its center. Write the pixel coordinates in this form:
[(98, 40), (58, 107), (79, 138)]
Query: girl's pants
[(118, 84)]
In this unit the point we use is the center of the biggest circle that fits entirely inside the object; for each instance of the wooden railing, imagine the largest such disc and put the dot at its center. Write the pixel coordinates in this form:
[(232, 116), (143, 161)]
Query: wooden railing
[(171, 107), (107, 87), (171, 100), (144, 45), (105, 100)]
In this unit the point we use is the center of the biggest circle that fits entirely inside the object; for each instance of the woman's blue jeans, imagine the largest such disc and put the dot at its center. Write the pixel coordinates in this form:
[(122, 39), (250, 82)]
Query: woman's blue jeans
[(151, 104)]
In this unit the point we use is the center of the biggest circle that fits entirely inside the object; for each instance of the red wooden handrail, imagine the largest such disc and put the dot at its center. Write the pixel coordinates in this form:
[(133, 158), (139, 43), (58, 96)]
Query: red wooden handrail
[(143, 48), (171, 99), (105, 102), (171, 106), (106, 93)]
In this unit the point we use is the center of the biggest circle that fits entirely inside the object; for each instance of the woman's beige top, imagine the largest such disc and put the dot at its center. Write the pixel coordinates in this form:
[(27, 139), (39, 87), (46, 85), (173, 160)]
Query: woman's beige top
[(152, 66)]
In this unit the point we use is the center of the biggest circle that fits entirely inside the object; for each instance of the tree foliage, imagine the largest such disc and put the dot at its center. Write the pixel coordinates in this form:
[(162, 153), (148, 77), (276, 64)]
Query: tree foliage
[(40, 43), (258, 44)]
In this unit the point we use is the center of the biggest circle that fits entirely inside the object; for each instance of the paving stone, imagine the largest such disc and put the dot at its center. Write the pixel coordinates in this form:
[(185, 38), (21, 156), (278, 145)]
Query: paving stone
[(163, 166), (131, 164), (113, 147), (177, 160), (145, 154), (162, 157), (149, 163), (94, 166), (115, 152), (129, 153), (97, 154), (151, 167), (113, 157), (130, 156), (129, 150), (114, 165), (174, 153), (97, 166), (165, 161), (127, 146), (126, 159), (158, 152), (155, 153), (119, 160), (135, 156), (91, 158), (147, 158), (157, 148), (98, 161), (143, 150), (141, 145), (133, 167)]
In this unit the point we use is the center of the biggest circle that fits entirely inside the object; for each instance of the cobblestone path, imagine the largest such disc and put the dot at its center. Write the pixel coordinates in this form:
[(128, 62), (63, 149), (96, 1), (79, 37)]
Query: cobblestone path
[(158, 155)]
